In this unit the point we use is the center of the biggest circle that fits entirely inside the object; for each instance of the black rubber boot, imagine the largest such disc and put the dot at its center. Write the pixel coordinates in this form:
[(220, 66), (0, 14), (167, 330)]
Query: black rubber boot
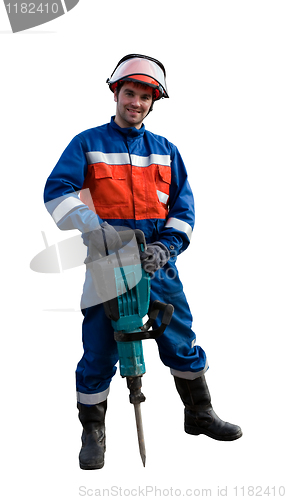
[(93, 448), (200, 418)]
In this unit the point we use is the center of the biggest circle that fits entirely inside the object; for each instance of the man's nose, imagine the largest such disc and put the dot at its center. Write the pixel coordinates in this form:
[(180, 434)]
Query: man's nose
[(135, 101)]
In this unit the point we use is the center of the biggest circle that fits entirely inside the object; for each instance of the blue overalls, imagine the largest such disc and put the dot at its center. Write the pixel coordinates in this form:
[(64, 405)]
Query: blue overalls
[(138, 180)]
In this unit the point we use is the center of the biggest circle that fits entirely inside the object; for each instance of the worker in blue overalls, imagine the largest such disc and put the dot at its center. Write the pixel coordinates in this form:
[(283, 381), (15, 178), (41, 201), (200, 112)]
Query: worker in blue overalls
[(138, 180)]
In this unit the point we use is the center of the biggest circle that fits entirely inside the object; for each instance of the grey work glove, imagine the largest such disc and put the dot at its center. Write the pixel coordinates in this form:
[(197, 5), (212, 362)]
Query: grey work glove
[(105, 239), (154, 256)]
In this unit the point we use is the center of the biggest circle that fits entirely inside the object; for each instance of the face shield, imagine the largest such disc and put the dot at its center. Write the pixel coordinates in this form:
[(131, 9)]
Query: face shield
[(140, 69)]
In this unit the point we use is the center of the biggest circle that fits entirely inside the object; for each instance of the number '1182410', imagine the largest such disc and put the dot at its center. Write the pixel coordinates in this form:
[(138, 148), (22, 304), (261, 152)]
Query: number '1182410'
[(31, 8)]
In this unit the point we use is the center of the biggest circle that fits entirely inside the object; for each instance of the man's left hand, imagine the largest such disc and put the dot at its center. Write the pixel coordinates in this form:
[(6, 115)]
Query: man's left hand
[(154, 257)]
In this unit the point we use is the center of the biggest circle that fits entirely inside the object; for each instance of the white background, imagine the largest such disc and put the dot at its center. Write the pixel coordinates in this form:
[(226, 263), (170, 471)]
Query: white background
[(226, 77)]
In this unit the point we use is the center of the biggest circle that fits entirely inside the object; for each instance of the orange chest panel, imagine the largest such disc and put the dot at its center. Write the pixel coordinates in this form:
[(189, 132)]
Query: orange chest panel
[(130, 191)]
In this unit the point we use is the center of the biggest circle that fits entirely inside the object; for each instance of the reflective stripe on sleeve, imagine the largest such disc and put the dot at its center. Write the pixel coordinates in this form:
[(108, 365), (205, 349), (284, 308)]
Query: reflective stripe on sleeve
[(65, 206), (180, 225), (92, 399)]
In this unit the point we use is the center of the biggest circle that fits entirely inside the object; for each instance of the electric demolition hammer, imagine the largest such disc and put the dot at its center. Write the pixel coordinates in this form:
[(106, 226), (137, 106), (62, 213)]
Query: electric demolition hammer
[(124, 287)]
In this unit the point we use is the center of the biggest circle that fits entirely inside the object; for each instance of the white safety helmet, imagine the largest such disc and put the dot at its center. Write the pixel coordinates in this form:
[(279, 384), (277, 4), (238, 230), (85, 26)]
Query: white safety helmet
[(140, 69)]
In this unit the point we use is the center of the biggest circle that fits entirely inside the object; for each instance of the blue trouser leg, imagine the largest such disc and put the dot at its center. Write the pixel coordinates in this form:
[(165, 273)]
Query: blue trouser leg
[(97, 366), (176, 345)]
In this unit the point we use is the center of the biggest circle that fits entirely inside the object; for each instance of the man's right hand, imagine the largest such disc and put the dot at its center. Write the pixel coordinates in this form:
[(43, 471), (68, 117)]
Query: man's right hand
[(106, 239)]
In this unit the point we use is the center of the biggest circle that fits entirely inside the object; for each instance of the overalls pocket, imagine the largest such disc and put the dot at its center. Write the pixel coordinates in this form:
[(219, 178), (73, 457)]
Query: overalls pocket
[(110, 187)]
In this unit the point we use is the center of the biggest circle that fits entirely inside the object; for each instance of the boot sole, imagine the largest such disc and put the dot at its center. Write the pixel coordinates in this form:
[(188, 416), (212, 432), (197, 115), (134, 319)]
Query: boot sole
[(91, 467), (196, 432)]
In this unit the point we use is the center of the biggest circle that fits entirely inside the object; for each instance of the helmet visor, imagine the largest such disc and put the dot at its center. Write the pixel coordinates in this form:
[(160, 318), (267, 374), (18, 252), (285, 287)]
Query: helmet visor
[(139, 66)]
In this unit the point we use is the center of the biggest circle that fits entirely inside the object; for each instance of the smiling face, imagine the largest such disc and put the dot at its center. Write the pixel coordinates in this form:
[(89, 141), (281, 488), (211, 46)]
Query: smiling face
[(133, 104)]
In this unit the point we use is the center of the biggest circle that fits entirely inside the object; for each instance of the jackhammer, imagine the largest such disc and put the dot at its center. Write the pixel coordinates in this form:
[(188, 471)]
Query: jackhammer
[(121, 276)]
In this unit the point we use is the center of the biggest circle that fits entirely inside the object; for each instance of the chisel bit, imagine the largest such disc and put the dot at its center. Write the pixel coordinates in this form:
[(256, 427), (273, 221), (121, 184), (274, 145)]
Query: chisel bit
[(136, 398), (140, 432)]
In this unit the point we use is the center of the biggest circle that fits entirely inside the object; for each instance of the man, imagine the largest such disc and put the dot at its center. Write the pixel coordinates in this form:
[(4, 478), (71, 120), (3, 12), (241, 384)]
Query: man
[(136, 179)]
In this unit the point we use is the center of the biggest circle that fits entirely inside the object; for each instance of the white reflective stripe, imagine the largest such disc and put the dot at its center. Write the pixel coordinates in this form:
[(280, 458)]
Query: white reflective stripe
[(109, 158), (92, 399), (180, 225), (64, 207), (163, 197), (125, 159), (189, 375), (146, 161)]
